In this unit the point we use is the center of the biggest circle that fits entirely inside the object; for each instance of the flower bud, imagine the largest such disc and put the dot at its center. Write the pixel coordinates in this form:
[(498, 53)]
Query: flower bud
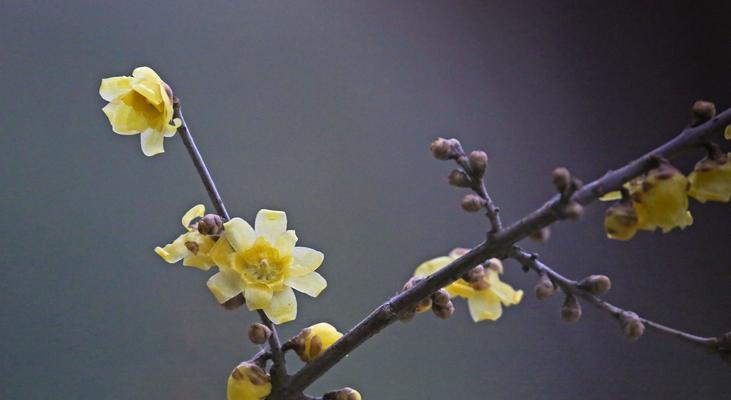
[(544, 288), (561, 179), (573, 211), (424, 305), (570, 310), (259, 333), (476, 278), (473, 203), (342, 394), (211, 224), (248, 382), (632, 326), (440, 297), (541, 236), (478, 163), (443, 311), (445, 149), (596, 284), (701, 112), (621, 221), (459, 179), (313, 341)]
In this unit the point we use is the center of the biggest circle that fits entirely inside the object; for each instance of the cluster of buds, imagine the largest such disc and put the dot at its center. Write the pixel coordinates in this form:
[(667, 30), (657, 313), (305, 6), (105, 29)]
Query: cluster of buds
[(471, 170), (566, 185), (342, 394), (314, 340), (439, 302)]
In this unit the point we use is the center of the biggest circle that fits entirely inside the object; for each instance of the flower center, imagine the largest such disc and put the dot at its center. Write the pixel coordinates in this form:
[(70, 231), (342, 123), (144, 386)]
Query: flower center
[(262, 263)]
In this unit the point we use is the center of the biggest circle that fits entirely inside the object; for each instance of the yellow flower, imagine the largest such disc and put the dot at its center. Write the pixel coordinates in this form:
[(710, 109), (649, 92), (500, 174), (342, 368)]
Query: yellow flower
[(142, 104), (313, 341), (266, 265), (248, 382), (661, 199), (621, 221), (485, 303), (192, 247), (711, 180)]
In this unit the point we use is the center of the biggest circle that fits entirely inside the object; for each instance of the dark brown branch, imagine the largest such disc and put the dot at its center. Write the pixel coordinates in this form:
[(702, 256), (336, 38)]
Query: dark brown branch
[(478, 186), (568, 286), (499, 245)]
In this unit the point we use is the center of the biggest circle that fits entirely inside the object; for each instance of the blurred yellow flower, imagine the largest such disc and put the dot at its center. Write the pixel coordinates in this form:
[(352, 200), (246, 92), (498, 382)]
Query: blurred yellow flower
[(248, 382), (484, 300), (192, 247), (316, 339), (621, 221), (141, 103), (711, 180), (661, 199), (265, 265)]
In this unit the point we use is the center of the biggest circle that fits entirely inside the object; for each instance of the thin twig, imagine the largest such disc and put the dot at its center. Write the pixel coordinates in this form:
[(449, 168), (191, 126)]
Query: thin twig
[(569, 286), (498, 246), (478, 186)]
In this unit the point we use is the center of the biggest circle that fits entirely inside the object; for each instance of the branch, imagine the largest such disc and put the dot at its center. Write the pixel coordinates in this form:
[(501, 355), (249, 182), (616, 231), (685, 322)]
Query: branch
[(280, 368), (499, 245), (568, 286)]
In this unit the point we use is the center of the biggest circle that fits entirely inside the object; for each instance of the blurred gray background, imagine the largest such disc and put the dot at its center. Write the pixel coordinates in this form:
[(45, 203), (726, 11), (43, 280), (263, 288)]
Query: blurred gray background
[(326, 110)]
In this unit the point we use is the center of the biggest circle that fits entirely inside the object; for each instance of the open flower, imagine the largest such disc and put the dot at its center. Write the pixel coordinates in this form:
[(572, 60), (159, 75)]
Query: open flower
[(265, 265), (484, 300), (248, 382), (711, 179), (661, 199), (192, 247), (141, 103)]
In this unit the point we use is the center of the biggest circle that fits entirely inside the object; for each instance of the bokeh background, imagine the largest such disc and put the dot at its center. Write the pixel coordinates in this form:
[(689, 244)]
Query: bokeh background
[(326, 109)]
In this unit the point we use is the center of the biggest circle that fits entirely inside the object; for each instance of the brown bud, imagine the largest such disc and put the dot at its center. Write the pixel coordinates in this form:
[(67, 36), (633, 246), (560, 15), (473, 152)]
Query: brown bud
[(544, 288), (445, 149), (259, 333), (424, 305), (440, 297), (570, 310), (541, 236), (561, 179), (342, 394), (473, 203), (459, 179), (443, 311), (211, 224), (632, 326), (475, 274), (192, 247), (596, 284), (701, 112), (478, 163), (573, 210)]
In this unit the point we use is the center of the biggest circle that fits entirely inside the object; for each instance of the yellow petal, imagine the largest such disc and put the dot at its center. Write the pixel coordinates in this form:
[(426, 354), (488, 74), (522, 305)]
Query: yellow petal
[(198, 211), (311, 284), (283, 307), (112, 88), (611, 196), (174, 251), (151, 142), (221, 253), (124, 119), (270, 223), (306, 260), (223, 287), (285, 242), (239, 234), (429, 267), (484, 306), (257, 296), (202, 262), (508, 295)]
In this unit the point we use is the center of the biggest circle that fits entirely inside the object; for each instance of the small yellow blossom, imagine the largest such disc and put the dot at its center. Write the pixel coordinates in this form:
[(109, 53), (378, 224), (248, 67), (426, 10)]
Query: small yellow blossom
[(192, 247), (661, 199), (266, 265), (141, 103), (621, 221), (313, 341), (248, 382), (711, 180), (483, 303)]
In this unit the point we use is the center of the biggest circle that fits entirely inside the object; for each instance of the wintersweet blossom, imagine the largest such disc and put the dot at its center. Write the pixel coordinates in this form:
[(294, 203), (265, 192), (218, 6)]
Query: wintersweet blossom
[(192, 247), (711, 179), (661, 199), (265, 265), (248, 382), (314, 340), (484, 301), (140, 104)]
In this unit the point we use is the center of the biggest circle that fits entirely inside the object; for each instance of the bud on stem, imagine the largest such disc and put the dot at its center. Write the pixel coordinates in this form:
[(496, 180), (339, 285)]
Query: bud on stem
[(544, 288), (570, 310), (596, 284), (259, 333), (632, 326)]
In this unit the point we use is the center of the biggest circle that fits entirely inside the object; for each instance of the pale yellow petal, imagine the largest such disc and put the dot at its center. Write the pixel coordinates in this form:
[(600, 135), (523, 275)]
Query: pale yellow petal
[(112, 88), (151, 142), (485, 305), (311, 284), (221, 253), (285, 242), (283, 307), (124, 119), (429, 267), (174, 251), (239, 233), (147, 83), (505, 292), (202, 262), (145, 73), (306, 260), (257, 296), (198, 211), (270, 223), (223, 287), (611, 196)]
